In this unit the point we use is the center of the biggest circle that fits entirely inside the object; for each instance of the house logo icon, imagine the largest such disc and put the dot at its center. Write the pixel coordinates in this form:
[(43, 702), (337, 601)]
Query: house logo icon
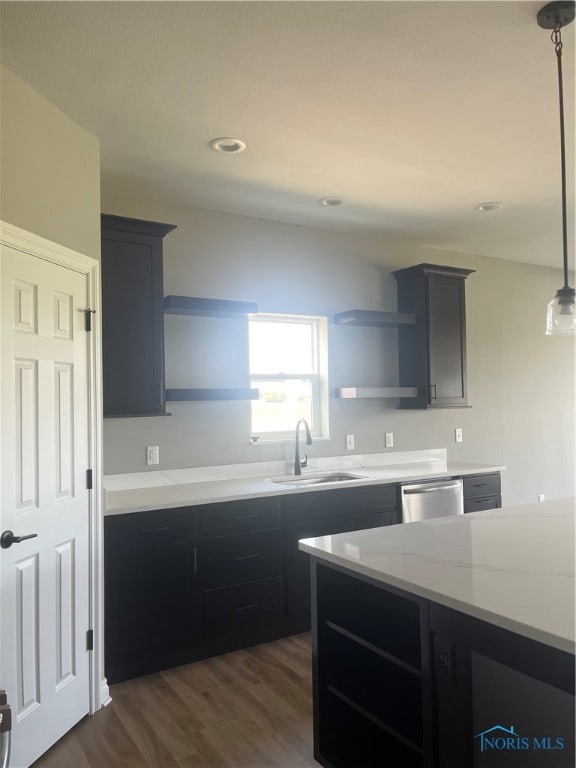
[(497, 732), (498, 738)]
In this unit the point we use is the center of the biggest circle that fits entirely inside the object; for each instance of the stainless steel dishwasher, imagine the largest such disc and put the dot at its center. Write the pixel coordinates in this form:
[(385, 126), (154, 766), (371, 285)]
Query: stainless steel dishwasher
[(422, 501)]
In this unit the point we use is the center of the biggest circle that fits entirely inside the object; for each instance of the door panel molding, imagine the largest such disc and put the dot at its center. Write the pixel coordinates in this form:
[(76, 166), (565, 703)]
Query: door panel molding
[(27, 637), (21, 240)]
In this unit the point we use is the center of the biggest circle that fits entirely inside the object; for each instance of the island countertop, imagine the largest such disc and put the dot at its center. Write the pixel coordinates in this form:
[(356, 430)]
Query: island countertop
[(511, 567)]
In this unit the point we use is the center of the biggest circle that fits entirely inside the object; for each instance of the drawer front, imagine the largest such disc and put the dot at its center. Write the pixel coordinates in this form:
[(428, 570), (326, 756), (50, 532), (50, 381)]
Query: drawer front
[(343, 502), (481, 485), (149, 530), (372, 520), (236, 559), (485, 502), (240, 608), (241, 517)]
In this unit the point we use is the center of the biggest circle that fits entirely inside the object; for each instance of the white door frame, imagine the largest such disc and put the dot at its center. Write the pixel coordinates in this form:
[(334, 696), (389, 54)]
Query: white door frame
[(27, 242)]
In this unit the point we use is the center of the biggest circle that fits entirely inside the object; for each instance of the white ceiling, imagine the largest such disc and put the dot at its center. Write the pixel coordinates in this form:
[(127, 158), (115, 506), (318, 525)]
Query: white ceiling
[(414, 112)]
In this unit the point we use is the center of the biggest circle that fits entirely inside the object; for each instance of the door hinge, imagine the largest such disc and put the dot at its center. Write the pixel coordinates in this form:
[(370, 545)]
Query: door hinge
[(90, 640), (88, 318), (89, 481)]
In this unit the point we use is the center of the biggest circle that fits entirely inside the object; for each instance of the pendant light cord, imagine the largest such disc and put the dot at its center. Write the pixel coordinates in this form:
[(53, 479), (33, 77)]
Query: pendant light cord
[(557, 40)]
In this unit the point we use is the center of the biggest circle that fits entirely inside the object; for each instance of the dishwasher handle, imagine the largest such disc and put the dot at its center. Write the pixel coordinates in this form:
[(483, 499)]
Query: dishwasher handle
[(431, 488)]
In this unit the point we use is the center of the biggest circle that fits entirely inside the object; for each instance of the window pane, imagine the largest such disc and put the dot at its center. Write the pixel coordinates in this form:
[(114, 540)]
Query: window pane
[(286, 347), (281, 404)]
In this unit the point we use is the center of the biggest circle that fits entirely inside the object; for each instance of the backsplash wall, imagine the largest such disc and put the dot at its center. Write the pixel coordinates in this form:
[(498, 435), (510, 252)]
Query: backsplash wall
[(521, 383)]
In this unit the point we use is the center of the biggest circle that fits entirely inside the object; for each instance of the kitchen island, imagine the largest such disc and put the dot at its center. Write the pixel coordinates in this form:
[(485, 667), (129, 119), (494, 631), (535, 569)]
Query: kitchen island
[(447, 643)]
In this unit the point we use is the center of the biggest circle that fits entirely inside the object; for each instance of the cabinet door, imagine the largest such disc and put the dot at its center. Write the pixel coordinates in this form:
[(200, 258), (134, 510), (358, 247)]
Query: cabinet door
[(298, 564), (432, 353), (153, 610), (132, 317), (323, 513), (446, 341)]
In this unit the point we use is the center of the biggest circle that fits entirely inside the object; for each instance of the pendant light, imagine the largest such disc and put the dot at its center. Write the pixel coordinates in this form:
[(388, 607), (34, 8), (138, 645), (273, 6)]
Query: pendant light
[(561, 316)]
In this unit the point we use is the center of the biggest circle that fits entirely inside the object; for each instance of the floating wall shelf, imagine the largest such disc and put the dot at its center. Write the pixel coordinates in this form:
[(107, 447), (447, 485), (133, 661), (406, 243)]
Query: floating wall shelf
[(191, 305), (358, 393), (219, 393), (373, 318), (200, 307)]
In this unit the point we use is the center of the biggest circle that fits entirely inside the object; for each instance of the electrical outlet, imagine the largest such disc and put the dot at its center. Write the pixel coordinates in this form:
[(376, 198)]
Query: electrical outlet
[(349, 442), (152, 455), (541, 497), (389, 439), (458, 435)]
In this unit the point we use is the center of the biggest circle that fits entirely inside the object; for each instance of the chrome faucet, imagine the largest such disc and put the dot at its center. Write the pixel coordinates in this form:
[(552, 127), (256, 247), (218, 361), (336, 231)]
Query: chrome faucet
[(298, 464)]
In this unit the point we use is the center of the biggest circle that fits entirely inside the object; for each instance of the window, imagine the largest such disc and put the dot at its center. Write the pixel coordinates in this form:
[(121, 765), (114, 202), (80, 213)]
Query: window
[(288, 367)]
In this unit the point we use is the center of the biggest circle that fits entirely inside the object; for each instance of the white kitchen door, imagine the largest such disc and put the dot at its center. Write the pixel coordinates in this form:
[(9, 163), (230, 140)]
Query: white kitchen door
[(44, 581)]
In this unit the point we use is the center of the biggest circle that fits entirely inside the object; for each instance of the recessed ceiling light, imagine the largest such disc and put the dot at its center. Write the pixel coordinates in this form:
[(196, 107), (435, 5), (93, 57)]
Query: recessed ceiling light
[(331, 202), (227, 144), (493, 206)]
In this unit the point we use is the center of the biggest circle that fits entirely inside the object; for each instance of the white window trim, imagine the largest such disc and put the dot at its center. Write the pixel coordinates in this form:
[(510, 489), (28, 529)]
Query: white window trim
[(320, 391)]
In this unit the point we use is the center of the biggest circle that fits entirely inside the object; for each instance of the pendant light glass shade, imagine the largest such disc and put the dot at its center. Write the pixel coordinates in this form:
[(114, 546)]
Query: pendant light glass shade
[(561, 315)]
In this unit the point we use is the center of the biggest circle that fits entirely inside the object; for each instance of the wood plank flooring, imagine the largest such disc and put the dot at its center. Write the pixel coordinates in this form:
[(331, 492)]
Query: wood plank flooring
[(247, 709)]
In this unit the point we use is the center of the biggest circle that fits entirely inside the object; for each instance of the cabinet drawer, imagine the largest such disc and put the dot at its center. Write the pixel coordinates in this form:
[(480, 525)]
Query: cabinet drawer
[(485, 502), (239, 608), (149, 530), (247, 557), (481, 485), (344, 502), (241, 517), (372, 520)]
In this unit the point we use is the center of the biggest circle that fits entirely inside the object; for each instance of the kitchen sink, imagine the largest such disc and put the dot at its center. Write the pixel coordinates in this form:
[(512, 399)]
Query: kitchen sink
[(335, 477)]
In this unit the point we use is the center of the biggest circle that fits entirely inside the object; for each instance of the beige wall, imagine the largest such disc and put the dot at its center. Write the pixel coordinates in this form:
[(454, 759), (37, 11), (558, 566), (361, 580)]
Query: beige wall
[(50, 181), (521, 382)]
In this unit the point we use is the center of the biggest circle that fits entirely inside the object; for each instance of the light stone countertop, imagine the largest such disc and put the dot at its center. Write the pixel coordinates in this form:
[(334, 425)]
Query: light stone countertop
[(511, 567), (164, 489)]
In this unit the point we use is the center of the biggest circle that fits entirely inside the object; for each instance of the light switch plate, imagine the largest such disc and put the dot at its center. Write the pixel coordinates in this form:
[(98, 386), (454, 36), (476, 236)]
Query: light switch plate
[(389, 439), (458, 435), (349, 442)]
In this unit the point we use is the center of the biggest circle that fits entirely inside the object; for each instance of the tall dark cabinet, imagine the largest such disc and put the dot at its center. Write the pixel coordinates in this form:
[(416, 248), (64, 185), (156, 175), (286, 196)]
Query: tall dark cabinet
[(432, 353), (133, 316)]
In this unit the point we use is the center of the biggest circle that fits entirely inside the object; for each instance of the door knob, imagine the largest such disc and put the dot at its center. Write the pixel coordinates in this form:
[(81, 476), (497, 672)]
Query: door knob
[(8, 538)]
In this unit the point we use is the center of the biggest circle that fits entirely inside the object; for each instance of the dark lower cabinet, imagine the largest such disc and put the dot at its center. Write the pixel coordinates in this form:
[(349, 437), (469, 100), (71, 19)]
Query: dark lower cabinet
[(501, 699), (153, 604), (482, 492), (371, 675), (182, 584), (321, 514), (243, 573), (244, 614), (402, 681)]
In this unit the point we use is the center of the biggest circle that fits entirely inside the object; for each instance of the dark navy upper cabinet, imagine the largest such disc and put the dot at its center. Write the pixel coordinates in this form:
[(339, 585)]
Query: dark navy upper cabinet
[(132, 316), (432, 353)]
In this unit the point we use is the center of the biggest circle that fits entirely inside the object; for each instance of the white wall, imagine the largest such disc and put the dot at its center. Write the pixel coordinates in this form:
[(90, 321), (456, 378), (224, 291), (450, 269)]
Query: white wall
[(521, 382), (50, 181)]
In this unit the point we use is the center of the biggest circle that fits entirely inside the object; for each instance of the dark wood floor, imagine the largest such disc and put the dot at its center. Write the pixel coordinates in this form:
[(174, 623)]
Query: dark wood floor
[(248, 709)]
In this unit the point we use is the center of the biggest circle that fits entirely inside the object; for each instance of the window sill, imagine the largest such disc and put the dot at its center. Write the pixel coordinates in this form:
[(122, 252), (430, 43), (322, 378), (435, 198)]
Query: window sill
[(284, 440)]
